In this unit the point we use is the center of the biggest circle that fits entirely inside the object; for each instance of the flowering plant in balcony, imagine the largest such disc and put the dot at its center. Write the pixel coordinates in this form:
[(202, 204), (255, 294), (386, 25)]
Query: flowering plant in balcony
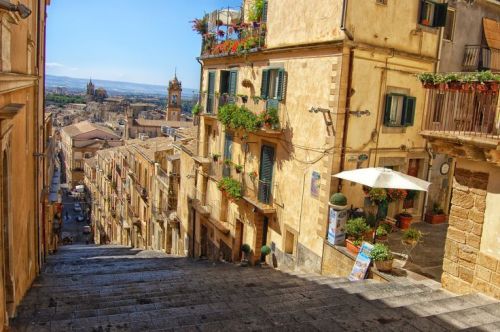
[(270, 118), (256, 11), (231, 188), (200, 25), (253, 175), (377, 195)]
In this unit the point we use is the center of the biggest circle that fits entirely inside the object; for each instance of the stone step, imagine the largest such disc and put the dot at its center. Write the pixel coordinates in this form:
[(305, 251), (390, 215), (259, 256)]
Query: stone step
[(404, 300), (441, 306), (468, 318)]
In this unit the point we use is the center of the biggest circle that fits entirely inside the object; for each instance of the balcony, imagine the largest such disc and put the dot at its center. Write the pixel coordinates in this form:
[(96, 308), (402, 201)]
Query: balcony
[(262, 198), (225, 33), (481, 58), (463, 124)]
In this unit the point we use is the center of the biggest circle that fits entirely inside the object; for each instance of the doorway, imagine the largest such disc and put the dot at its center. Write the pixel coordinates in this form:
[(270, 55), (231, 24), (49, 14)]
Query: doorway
[(204, 241), (7, 266), (238, 241), (265, 225)]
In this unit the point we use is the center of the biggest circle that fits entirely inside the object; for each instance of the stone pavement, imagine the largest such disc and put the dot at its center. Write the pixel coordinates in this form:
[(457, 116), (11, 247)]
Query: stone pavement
[(112, 288)]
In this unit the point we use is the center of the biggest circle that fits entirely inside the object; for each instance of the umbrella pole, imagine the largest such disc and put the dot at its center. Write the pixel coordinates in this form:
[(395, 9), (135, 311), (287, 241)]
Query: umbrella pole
[(376, 224)]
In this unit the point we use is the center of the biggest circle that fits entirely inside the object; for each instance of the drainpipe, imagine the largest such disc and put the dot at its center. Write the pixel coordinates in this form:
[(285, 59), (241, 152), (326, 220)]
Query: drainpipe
[(346, 116), (429, 173), (345, 5)]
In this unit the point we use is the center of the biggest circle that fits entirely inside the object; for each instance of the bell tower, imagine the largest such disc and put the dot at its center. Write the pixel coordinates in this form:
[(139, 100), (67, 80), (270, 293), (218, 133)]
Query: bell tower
[(174, 101)]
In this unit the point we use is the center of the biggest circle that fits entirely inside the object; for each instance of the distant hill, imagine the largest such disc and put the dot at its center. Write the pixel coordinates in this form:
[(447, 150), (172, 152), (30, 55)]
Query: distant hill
[(78, 85)]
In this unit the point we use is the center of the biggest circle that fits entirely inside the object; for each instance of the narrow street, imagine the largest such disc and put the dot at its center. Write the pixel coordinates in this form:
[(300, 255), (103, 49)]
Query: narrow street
[(113, 288), (71, 225)]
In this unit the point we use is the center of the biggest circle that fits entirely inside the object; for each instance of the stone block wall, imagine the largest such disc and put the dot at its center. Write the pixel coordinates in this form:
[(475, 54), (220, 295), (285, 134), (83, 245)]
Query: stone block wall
[(465, 268)]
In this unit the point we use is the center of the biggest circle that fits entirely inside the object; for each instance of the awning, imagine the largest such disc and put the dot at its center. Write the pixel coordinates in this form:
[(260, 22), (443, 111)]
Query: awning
[(492, 32)]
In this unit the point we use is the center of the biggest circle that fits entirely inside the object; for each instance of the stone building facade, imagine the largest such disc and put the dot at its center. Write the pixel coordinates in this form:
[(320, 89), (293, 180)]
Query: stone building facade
[(22, 194), (336, 86), (81, 141)]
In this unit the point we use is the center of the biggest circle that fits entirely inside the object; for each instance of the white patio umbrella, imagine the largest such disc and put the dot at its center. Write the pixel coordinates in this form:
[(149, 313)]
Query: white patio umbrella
[(379, 177)]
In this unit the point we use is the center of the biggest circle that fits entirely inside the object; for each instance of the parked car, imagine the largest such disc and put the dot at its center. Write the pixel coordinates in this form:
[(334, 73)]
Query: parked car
[(77, 207), (80, 218), (87, 230)]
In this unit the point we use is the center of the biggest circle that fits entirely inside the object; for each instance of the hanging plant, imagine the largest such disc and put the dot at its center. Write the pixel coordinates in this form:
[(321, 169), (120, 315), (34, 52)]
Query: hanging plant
[(246, 83), (377, 195), (231, 188), (396, 194), (253, 175), (238, 168)]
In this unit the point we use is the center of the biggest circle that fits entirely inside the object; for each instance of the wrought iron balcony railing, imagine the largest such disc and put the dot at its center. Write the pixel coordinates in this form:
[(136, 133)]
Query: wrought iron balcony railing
[(481, 58)]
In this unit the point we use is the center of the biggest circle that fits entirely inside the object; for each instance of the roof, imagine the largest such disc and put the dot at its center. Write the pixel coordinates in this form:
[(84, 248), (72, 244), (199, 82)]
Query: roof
[(85, 127), (159, 123), (149, 147)]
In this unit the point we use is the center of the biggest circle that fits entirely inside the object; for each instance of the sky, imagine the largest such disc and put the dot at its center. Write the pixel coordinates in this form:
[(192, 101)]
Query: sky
[(140, 41)]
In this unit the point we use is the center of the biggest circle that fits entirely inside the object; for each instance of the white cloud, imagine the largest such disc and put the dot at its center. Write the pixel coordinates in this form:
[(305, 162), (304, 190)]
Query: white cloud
[(54, 65)]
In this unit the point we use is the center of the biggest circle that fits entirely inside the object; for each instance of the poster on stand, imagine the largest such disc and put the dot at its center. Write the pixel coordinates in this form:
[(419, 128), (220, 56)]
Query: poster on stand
[(362, 262), (336, 226)]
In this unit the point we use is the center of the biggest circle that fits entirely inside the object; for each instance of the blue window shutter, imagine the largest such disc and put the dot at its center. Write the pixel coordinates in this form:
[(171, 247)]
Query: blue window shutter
[(282, 82), (264, 12), (440, 12), (228, 153), (233, 82), (387, 112), (264, 87), (266, 173), (211, 92), (408, 117)]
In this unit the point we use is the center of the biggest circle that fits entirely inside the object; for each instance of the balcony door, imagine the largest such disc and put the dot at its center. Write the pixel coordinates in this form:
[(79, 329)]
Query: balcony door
[(266, 173)]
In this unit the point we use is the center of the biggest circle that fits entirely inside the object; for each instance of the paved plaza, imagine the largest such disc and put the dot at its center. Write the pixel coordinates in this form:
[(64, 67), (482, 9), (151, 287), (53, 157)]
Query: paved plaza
[(112, 288)]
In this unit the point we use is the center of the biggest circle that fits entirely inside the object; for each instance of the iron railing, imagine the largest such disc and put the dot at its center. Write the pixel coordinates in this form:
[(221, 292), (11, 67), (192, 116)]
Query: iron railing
[(481, 58), (464, 113)]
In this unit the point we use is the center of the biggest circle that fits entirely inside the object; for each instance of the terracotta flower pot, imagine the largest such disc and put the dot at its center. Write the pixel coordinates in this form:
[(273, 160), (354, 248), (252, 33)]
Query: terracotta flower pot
[(435, 218), (405, 222), (351, 247), (455, 86), (369, 235), (384, 266)]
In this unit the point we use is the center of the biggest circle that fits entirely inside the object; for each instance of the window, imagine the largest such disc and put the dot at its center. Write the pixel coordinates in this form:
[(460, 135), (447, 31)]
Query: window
[(273, 84), (449, 28), (289, 242), (433, 14), (228, 153), (211, 92), (399, 110), (228, 86)]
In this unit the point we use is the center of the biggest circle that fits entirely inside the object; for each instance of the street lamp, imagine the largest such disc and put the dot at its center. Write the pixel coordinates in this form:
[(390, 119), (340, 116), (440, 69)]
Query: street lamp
[(23, 11)]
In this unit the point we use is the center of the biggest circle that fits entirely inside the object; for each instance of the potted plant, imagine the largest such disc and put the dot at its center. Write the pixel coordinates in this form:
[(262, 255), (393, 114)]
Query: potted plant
[(244, 98), (245, 248), (231, 188), (238, 168), (264, 251), (382, 257), (405, 220), (338, 201), (228, 162), (436, 216), (215, 157), (412, 236), (270, 118), (253, 175), (246, 83), (355, 230), (196, 109), (353, 246), (377, 195), (381, 233)]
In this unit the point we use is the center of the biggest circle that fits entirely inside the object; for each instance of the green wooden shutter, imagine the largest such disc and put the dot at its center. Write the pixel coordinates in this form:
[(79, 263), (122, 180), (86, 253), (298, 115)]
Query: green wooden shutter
[(440, 12), (264, 87), (266, 173), (211, 92), (264, 12), (408, 117), (228, 153), (233, 82), (387, 112), (282, 82)]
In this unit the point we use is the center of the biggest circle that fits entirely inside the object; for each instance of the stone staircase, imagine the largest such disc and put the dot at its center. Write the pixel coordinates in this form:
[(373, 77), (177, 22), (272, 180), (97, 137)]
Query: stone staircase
[(111, 288)]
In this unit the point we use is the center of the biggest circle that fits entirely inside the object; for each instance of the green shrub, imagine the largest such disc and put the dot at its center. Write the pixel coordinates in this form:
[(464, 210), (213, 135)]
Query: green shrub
[(265, 250), (381, 231), (236, 117), (256, 10), (412, 234), (196, 109), (338, 199), (355, 228), (245, 248), (381, 252)]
